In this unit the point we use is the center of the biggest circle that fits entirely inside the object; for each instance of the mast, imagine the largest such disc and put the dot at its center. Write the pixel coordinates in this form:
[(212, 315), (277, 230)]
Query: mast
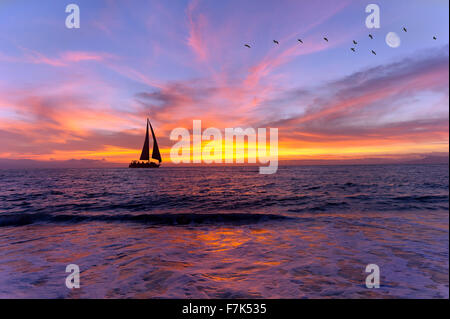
[(146, 149), (155, 153)]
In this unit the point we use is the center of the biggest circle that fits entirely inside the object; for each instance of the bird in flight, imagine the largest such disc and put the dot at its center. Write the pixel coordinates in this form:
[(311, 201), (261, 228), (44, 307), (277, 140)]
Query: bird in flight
[(404, 29), (434, 38), (353, 49), (276, 42), (371, 36), (248, 46), (354, 42), (374, 52), (325, 39), (300, 40)]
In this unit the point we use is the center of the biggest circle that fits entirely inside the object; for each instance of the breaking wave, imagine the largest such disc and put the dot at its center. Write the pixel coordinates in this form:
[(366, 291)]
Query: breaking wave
[(153, 219)]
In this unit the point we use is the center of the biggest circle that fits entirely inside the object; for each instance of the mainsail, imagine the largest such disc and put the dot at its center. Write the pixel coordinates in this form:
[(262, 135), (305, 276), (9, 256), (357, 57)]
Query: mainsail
[(145, 155), (145, 148)]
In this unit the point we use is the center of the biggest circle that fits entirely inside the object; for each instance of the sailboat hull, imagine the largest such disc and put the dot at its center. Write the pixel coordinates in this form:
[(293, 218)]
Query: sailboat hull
[(143, 165)]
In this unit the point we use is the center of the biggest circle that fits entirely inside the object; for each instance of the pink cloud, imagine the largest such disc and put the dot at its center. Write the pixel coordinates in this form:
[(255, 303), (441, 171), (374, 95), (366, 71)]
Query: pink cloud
[(197, 23), (62, 60)]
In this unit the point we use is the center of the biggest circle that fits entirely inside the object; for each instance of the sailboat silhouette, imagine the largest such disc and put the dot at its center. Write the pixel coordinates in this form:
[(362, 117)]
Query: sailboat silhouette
[(145, 154)]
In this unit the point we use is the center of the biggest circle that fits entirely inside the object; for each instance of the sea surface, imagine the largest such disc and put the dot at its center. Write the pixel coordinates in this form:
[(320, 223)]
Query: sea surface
[(225, 232)]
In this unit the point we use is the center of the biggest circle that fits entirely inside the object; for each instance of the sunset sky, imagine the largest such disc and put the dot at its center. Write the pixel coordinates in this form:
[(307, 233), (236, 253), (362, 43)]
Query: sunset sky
[(86, 93)]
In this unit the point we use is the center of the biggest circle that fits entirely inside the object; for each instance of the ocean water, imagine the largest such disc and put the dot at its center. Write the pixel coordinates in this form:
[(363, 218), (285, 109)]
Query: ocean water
[(225, 232)]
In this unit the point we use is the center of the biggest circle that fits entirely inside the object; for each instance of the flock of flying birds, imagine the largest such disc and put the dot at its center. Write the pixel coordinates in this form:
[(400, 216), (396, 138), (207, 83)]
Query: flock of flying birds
[(326, 39)]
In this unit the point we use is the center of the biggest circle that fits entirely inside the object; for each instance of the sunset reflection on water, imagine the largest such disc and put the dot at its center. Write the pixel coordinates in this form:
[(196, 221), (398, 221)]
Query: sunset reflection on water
[(297, 242)]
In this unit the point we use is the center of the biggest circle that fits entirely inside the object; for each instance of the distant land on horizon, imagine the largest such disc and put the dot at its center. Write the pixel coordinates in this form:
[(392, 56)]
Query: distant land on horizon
[(89, 163)]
